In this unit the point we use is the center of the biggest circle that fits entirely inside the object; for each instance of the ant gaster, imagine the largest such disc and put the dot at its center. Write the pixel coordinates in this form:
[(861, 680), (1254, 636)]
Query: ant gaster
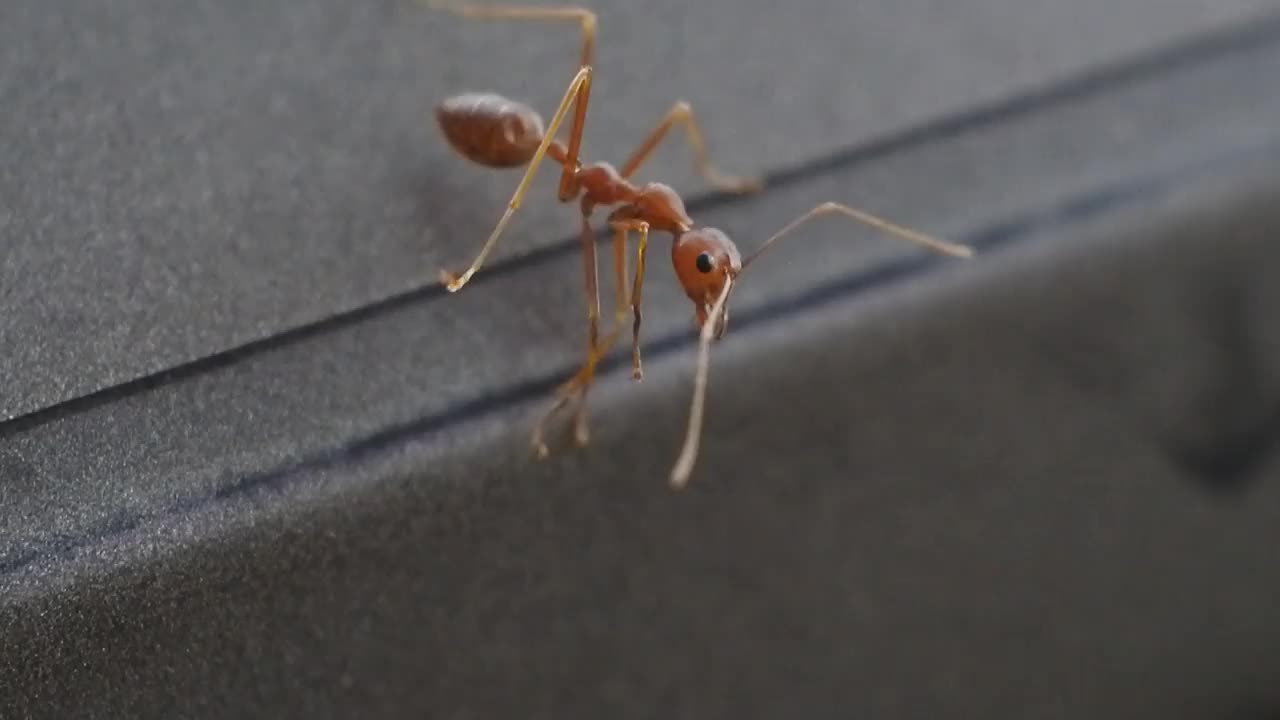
[(494, 131)]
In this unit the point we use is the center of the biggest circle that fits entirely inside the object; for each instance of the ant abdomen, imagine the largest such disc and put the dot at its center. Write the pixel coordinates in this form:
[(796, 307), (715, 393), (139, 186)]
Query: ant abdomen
[(491, 130)]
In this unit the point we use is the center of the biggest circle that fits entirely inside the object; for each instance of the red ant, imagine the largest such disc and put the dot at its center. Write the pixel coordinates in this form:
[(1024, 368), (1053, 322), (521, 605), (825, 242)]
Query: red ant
[(496, 132)]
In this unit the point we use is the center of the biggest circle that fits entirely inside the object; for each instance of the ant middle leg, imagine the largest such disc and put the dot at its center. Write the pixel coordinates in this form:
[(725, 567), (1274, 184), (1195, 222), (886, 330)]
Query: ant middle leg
[(621, 229), (591, 283), (576, 389), (682, 113)]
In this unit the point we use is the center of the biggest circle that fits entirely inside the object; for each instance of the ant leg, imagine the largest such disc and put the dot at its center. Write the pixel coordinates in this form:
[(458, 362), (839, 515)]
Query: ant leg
[(622, 227), (455, 282), (622, 295), (591, 276), (577, 388), (592, 283), (641, 249), (896, 231), (581, 433), (573, 390), (587, 19), (682, 112)]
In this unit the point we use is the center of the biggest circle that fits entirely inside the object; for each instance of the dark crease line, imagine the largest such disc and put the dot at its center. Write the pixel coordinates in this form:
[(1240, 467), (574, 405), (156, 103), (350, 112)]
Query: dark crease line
[(1071, 210), (1160, 62)]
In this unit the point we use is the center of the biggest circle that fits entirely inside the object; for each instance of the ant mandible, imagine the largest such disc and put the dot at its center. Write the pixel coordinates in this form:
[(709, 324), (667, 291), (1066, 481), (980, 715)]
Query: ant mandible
[(491, 130)]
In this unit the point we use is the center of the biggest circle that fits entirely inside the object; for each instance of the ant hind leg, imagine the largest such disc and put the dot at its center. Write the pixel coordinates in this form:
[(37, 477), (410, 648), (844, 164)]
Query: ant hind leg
[(454, 281), (682, 112), (588, 21)]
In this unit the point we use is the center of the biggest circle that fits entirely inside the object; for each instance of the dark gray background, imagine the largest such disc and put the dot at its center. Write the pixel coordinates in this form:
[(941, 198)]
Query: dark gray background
[(180, 178), (1031, 485)]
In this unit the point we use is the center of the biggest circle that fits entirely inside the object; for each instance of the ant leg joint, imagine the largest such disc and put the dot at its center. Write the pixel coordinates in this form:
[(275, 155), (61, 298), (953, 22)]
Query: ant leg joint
[(637, 371), (682, 113)]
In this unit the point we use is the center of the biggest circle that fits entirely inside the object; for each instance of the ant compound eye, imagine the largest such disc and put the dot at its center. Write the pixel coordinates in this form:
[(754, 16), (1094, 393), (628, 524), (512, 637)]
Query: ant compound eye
[(704, 262)]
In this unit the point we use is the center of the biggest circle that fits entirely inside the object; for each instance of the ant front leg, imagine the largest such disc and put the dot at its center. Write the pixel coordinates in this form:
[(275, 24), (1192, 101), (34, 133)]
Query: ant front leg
[(622, 292), (621, 228), (682, 113)]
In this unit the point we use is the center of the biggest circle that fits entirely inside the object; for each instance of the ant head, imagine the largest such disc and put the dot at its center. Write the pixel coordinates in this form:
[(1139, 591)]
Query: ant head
[(662, 208), (704, 260)]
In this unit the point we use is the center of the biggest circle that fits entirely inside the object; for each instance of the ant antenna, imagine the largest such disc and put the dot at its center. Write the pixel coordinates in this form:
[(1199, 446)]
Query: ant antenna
[(689, 453), (867, 218)]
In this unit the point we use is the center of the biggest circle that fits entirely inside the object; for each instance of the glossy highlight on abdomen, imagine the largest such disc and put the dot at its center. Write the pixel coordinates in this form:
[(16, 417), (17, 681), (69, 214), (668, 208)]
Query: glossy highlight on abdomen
[(490, 129)]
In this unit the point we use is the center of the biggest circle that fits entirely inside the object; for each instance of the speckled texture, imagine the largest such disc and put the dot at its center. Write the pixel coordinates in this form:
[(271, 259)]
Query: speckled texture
[(522, 324), (183, 178), (991, 509), (1037, 485)]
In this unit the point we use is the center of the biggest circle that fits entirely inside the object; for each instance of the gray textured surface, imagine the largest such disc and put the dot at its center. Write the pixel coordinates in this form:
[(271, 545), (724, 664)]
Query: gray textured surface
[(986, 511), (207, 432), (1041, 484), (182, 178)]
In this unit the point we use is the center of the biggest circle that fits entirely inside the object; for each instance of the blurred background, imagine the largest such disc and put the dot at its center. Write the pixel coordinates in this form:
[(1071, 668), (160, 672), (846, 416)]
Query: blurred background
[(256, 462)]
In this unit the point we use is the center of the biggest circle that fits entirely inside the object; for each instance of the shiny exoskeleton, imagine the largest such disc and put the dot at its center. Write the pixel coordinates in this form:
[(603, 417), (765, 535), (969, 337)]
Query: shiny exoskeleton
[(497, 132)]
